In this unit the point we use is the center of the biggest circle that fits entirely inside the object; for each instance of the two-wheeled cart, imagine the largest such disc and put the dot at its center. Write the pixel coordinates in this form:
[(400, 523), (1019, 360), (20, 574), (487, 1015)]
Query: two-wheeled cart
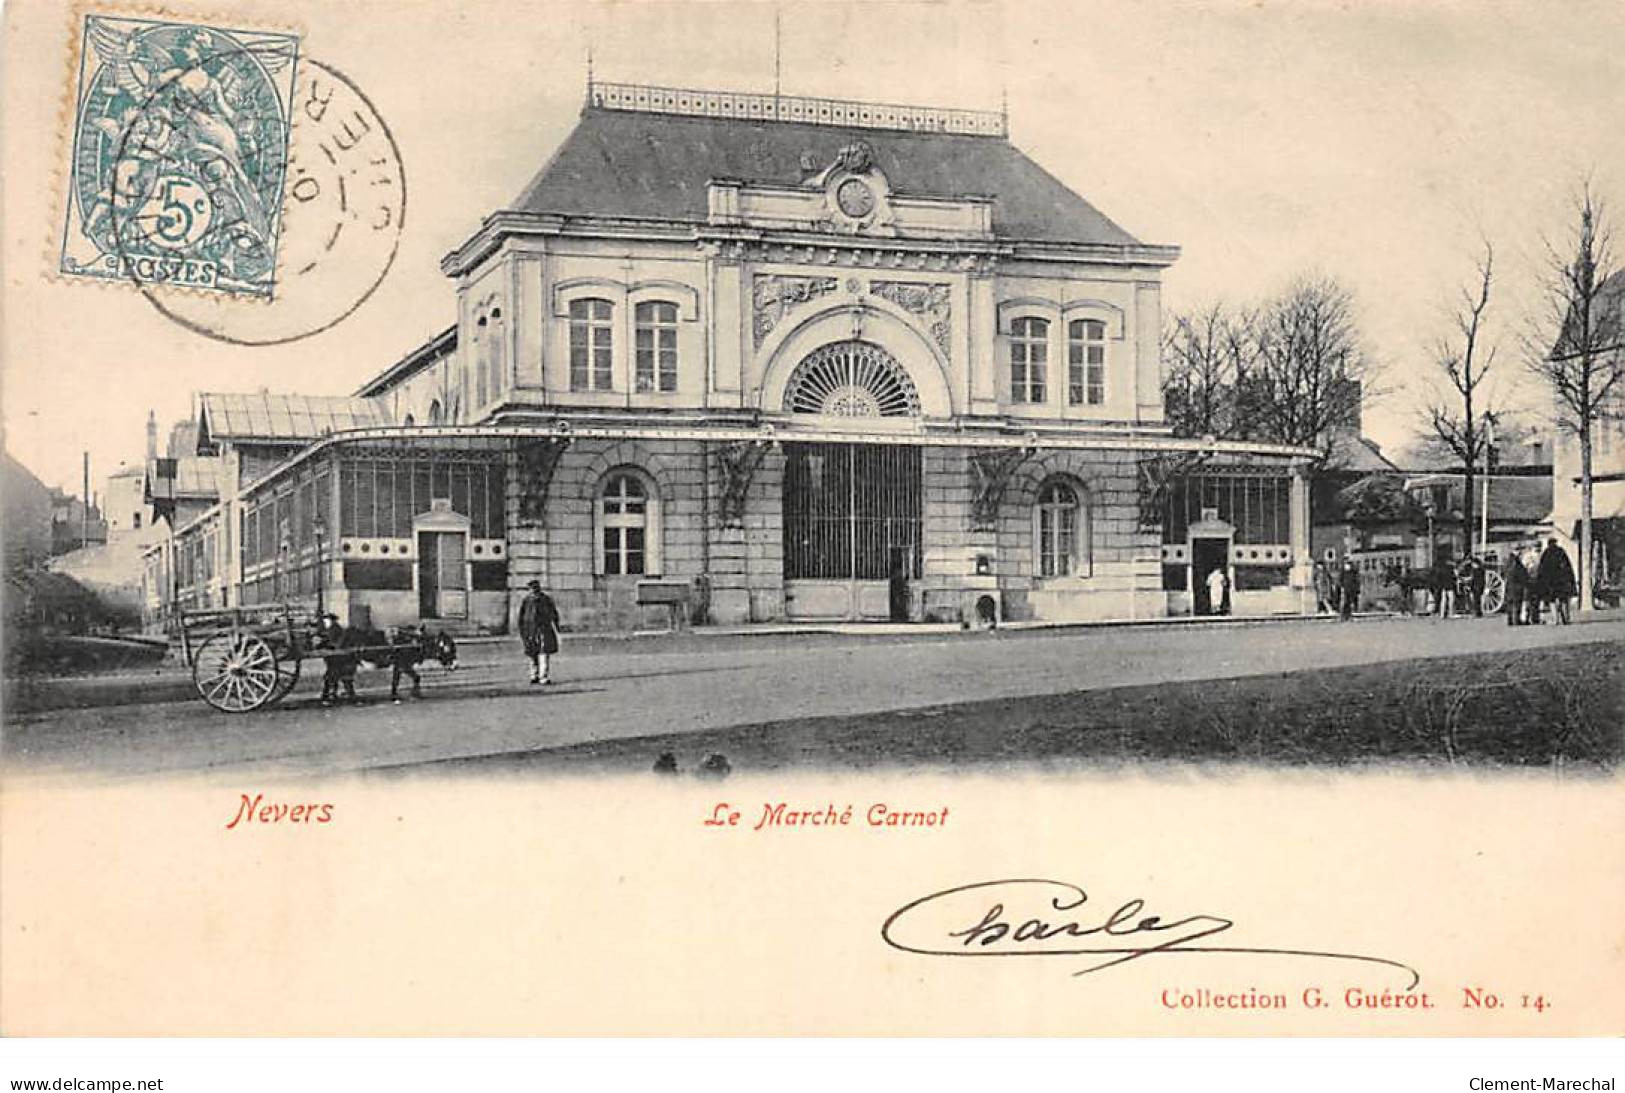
[(247, 658)]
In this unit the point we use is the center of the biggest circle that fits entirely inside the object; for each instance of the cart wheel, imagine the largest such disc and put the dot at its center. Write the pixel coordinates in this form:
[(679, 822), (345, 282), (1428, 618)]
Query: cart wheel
[(287, 677), (236, 672), (1495, 593)]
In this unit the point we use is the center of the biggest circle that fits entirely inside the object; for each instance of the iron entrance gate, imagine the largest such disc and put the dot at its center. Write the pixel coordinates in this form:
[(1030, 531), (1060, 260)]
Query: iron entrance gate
[(851, 528)]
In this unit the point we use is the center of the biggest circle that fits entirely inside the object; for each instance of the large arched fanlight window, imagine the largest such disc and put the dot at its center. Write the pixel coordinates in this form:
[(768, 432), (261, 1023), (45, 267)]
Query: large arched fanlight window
[(851, 379)]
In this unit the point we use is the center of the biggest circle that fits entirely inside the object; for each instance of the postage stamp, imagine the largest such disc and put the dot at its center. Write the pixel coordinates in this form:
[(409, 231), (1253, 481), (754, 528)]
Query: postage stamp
[(180, 154)]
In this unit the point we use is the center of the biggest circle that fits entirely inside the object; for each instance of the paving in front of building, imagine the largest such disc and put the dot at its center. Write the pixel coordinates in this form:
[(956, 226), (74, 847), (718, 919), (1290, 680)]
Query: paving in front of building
[(626, 689), (752, 359)]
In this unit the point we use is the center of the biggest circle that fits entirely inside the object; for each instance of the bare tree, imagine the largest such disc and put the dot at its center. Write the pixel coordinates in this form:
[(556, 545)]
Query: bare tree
[(1203, 353), (1289, 372), (1309, 369), (1577, 346), (1463, 359)]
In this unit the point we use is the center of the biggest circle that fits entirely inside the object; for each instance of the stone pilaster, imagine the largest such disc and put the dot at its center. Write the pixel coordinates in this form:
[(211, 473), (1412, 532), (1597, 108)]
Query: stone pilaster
[(527, 541)]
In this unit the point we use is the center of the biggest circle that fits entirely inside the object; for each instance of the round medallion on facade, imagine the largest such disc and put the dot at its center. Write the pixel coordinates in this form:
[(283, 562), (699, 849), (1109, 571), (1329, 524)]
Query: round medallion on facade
[(855, 198)]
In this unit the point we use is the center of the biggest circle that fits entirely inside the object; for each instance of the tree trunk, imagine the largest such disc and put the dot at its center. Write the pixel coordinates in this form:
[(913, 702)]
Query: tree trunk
[(1585, 517), (1468, 516)]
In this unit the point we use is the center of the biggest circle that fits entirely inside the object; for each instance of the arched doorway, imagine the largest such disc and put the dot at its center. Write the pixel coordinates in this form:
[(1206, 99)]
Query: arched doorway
[(852, 511)]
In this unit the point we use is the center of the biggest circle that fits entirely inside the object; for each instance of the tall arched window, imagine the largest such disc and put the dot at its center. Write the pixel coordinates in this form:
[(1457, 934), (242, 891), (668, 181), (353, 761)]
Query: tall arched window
[(656, 333), (1029, 359), (1086, 362), (435, 412), (1061, 530), (591, 345), (628, 518)]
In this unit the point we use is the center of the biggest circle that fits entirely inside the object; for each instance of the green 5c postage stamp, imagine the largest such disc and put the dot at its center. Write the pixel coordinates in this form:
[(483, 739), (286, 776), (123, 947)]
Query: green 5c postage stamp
[(180, 154)]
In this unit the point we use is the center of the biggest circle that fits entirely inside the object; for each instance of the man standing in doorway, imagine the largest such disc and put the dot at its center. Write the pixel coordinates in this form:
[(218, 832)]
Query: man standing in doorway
[(539, 630), (1218, 591)]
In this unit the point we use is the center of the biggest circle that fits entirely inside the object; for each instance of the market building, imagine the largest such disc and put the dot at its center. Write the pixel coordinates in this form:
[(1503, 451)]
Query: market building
[(745, 358)]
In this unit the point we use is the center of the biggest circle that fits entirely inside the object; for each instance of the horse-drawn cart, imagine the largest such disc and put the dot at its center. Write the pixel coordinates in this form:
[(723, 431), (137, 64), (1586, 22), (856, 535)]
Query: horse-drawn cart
[(247, 658), (1411, 581)]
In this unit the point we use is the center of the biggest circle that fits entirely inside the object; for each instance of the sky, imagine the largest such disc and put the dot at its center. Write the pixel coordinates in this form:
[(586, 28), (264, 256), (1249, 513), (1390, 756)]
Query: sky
[(1377, 142)]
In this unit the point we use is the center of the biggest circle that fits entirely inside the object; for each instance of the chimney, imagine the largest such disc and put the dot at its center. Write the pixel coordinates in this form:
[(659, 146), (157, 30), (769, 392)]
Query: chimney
[(152, 435)]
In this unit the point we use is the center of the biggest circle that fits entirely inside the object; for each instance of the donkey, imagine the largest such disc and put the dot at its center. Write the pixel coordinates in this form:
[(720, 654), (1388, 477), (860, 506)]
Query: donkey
[(403, 650)]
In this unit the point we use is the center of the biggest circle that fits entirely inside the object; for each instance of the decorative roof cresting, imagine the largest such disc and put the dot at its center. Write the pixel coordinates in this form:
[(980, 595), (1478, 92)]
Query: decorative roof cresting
[(754, 106)]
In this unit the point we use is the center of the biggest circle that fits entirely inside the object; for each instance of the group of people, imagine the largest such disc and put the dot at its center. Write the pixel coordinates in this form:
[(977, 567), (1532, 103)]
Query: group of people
[(1467, 575), (1339, 592), (1535, 580)]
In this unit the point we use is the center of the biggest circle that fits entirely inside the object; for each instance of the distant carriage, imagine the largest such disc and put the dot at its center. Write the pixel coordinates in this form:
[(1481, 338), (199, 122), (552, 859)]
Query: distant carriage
[(248, 658), (1409, 581)]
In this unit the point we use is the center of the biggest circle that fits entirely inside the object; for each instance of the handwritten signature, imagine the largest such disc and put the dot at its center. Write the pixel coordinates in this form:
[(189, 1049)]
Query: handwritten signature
[(1047, 917)]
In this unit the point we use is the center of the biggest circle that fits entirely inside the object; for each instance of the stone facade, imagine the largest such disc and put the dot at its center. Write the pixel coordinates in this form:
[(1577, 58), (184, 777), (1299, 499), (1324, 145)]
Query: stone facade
[(891, 340), (735, 571)]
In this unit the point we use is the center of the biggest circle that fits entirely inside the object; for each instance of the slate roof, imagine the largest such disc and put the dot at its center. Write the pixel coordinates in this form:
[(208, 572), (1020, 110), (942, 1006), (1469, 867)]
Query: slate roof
[(270, 417), (1349, 452), (622, 163)]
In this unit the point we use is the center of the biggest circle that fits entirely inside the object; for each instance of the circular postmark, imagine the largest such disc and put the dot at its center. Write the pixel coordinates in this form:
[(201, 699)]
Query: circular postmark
[(330, 237)]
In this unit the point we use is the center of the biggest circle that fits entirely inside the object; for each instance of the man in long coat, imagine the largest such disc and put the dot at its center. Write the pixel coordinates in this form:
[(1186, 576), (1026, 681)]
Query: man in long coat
[(1348, 587), (539, 630), (1555, 579), (1475, 583)]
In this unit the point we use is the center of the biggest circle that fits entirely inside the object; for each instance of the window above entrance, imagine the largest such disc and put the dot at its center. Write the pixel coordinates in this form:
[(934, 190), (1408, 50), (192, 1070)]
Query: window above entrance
[(851, 379)]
